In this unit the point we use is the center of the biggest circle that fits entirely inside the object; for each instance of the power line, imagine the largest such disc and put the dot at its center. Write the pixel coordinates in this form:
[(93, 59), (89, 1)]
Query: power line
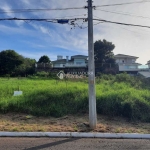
[(128, 29), (71, 16), (69, 8), (119, 4), (33, 10), (120, 23), (73, 19), (93, 25), (131, 30), (124, 13), (134, 31)]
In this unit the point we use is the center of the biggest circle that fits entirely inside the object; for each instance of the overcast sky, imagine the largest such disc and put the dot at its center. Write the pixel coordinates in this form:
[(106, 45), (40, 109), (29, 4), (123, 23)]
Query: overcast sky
[(34, 39)]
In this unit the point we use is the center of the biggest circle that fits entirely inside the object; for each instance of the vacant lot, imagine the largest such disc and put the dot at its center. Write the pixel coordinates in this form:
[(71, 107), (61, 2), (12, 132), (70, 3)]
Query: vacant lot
[(120, 95)]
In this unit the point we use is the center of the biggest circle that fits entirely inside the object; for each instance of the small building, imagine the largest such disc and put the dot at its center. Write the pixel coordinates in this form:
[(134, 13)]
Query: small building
[(127, 63)]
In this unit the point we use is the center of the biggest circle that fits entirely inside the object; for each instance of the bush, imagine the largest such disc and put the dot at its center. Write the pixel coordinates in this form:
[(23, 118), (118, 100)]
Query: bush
[(42, 74), (45, 103)]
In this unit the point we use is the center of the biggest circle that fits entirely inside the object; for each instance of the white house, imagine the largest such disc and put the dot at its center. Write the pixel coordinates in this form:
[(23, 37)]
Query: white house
[(127, 63), (148, 63), (79, 61)]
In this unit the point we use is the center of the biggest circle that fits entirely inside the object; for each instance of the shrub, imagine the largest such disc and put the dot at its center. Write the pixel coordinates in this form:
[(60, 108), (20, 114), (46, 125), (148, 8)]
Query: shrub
[(42, 74)]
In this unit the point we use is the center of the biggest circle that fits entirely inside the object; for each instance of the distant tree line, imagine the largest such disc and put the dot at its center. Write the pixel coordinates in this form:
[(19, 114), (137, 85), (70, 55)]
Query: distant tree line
[(14, 64)]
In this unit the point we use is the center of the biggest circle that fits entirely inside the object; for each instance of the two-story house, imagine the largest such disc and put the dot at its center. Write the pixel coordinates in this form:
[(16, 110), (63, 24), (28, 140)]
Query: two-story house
[(127, 63), (77, 61)]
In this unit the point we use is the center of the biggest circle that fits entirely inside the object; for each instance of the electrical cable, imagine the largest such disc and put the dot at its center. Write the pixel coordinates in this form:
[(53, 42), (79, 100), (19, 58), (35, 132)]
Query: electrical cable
[(70, 16), (74, 19), (126, 24), (53, 9), (119, 4), (33, 10), (147, 33), (93, 25), (124, 13)]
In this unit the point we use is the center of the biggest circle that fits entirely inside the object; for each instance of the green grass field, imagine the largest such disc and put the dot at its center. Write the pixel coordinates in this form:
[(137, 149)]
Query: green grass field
[(119, 95)]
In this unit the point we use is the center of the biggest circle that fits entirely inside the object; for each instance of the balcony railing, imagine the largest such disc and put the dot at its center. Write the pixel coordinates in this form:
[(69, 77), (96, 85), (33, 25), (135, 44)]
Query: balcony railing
[(75, 65)]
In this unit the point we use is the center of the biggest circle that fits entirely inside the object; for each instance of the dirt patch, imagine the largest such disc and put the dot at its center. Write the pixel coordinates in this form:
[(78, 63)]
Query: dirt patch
[(71, 123)]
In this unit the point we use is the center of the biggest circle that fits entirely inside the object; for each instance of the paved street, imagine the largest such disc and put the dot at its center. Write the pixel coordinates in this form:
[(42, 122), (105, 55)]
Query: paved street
[(72, 144)]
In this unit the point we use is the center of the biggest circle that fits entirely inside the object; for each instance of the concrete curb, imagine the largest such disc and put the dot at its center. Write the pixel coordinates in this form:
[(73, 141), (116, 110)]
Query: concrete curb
[(76, 135)]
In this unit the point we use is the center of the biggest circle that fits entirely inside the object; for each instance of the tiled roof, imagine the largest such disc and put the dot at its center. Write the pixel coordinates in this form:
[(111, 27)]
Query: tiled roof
[(61, 61), (122, 55), (76, 56)]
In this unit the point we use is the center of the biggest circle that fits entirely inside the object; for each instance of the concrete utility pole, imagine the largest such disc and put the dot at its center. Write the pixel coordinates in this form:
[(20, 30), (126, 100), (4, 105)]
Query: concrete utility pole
[(91, 69)]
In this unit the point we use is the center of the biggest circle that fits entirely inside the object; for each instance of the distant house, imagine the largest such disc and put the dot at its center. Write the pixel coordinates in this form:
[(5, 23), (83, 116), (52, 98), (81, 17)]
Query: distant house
[(77, 61), (127, 63), (148, 63)]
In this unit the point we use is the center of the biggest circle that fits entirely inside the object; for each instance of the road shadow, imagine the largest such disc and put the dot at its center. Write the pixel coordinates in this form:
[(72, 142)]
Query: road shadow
[(52, 144)]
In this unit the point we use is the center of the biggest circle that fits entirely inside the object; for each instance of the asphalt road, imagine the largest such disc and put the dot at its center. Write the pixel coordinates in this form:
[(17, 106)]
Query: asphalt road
[(72, 144)]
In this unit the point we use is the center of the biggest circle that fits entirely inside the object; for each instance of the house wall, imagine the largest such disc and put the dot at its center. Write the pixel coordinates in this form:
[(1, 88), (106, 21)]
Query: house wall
[(125, 60), (58, 65), (76, 63), (149, 64), (79, 61), (125, 67), (127, 64)]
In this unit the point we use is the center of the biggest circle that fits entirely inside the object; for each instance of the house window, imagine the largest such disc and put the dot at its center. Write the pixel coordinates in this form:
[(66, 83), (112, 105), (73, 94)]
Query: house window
[(78, 63), (123, 61), (133, 67), (133, 60), (117, 61)]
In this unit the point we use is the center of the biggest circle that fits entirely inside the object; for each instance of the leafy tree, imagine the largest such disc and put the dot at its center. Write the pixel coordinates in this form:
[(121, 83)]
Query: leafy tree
[(26, 68), (44, 59), (104, 56), (9, 60)]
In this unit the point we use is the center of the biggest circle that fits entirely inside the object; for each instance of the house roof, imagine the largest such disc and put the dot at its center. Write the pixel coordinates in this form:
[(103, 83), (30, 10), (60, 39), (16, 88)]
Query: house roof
[(145, 74), (125, 56), (79, 56), (59, 61), (136, 64), (148, 62), (63, 61)]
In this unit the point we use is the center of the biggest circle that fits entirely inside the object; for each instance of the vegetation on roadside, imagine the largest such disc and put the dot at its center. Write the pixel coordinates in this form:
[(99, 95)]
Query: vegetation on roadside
[(120, 95)]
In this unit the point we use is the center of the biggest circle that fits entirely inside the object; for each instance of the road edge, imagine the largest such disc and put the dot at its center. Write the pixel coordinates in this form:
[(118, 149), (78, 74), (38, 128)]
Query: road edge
[(76, 135)]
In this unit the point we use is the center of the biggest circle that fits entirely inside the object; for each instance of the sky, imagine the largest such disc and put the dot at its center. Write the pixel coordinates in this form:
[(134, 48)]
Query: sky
[(34, 39)]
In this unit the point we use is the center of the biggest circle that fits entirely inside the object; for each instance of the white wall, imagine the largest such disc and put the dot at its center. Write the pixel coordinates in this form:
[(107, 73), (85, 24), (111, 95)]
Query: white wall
[(56, 65), (128, 67), (149, 64), (79, 61), (125, 60)]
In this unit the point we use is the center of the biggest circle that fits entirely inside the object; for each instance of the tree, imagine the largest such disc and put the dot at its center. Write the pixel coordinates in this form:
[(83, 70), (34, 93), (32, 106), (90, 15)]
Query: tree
[(44, 59), (9, 60), (26, 68), (104, 56)]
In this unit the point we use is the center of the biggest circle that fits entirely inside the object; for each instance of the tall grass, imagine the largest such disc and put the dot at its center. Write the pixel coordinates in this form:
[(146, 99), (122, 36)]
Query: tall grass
[(119, 95)]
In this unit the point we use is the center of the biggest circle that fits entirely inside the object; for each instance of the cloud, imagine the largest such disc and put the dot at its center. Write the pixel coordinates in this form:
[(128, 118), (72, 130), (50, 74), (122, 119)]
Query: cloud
[(128, 40)]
